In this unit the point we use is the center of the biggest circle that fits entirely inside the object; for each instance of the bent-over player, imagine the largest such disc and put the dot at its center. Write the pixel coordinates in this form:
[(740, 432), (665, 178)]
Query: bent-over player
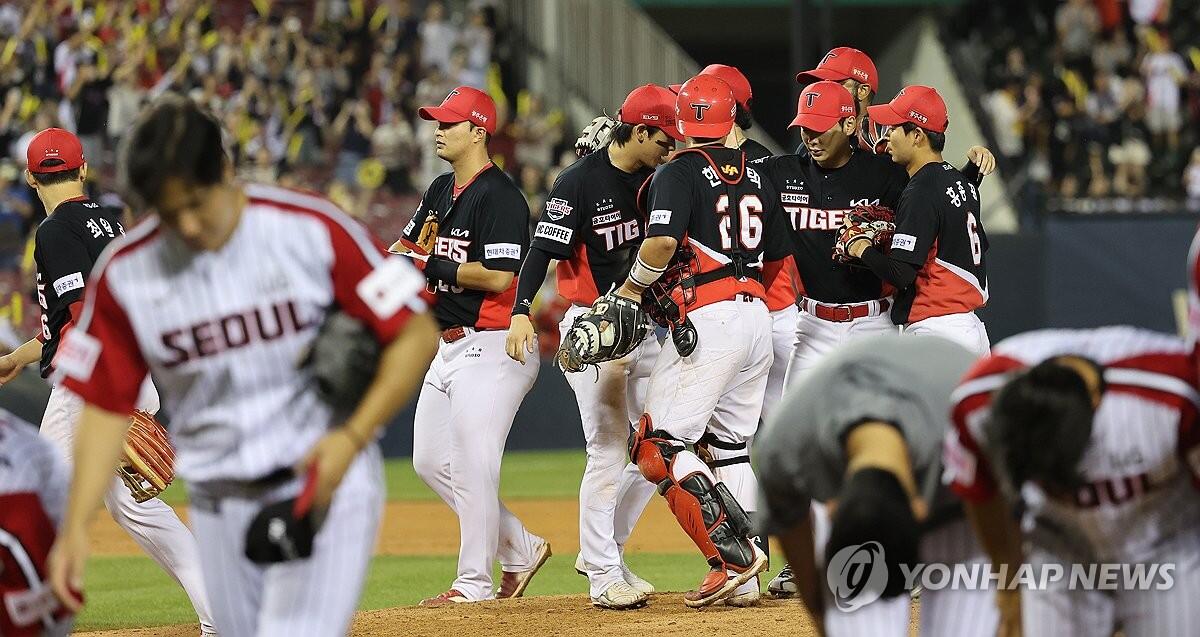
[(716, 222), (1093, 433), (936, 261), (218, 293), (471, 230), (591, 223), (862, 434), (66, 247)]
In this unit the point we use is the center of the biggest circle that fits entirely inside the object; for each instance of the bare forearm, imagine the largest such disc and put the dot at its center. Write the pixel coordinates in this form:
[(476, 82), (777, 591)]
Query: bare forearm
[(997, 532), (28, 353), (401, 368), (655, 254), (99, 439)]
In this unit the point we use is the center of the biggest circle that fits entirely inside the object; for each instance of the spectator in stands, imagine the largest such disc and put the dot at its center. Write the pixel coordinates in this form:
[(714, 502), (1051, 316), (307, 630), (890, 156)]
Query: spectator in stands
[(353, 126), (478, 38), (1103, 108), (394, 144), (1112, 52), (1003, 107), (1191, 176), (438, 37), (1164, 72), (1078, 24), (537, 132), (1129, 159)]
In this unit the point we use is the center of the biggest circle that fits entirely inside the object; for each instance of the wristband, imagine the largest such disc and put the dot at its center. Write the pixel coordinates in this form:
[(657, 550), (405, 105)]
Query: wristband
[(439, 269), (644, 275)]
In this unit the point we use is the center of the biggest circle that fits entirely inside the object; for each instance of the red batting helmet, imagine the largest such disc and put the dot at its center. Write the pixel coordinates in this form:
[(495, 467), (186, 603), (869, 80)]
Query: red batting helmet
[(705, 107)]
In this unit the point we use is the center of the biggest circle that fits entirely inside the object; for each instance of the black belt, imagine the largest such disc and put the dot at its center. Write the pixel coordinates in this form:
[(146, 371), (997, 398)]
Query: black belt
[(712, 441)]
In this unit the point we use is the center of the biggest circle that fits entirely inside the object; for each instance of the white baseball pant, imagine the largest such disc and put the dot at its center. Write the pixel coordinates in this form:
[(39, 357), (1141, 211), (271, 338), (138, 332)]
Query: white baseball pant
[(464, 413), (1058, 610), (313, 597), (965, 329), (816, 337), (610, 398), (783, 342), (152, 524)]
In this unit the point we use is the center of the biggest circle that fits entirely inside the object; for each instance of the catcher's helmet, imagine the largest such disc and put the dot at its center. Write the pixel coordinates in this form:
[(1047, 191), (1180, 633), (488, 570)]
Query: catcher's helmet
[(705, 107)]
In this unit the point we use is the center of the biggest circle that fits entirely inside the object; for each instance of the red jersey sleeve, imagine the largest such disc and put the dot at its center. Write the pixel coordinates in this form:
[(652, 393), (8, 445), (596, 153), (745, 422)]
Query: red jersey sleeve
[(968, 471), (380, 290), (100, 359)]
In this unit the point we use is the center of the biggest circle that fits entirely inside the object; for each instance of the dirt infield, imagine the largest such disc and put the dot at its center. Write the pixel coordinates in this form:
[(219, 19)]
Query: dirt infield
[(562, 616), (430, 528)]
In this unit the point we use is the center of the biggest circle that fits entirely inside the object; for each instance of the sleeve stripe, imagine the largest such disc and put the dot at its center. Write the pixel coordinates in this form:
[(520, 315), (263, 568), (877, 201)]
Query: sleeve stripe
[(981, 385), (295, 200), (1154, 381)]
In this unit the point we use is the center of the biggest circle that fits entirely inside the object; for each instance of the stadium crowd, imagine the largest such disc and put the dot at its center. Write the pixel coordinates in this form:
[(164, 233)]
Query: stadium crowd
[(314, 93), (1091, 98)]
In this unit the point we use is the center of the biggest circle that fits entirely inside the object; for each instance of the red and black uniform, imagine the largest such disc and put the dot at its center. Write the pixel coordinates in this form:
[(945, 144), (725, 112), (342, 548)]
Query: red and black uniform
[(754, 150), (591, 223), (937, 257), (485, 221), (814, 201), (66, 247), (727, 214)]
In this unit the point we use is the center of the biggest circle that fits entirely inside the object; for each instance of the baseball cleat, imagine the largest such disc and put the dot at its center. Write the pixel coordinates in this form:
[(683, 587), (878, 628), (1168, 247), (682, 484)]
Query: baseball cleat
[(514, 584), (782, 586), (720, 583), (640, 585), (620, 596), (580, 565), (743, 600), (445, 599)]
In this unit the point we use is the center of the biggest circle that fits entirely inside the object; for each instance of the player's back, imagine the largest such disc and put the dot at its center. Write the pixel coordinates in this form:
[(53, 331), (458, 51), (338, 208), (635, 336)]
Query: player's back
[(1141, 465), (727, 214)]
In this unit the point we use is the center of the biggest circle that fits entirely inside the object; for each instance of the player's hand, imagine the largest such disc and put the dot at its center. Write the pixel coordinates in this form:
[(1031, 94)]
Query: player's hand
[(983, 158), (521, 338), (65, 563), (9, 368), (332, 454), (629, 293), (1009, 604)]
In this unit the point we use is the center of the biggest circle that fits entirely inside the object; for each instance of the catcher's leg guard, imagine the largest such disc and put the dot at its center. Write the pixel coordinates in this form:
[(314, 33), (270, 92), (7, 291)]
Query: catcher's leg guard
[(705, 509)]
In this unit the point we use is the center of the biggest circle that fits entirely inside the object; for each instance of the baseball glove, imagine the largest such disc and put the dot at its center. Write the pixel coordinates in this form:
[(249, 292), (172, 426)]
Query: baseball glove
[(148, 466), (595, 135), (343, 359), (609, 330), (429, 232), (876, 224)]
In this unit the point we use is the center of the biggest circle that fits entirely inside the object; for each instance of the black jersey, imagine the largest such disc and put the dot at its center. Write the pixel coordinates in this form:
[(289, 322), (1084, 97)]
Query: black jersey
[(66, 247), (695, 197), (815, 200), (487, 222), (592, 224), (754, 150), (938, 231)]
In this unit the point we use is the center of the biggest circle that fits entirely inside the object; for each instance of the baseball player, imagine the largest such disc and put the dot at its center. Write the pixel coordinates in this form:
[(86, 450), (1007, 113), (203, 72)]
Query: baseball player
[(1093, 433), (33, 494), (218, 293), (592, 225), (862, 434), (716, 222), (66, 246), (855, 71), (936, 262), (471, 232)]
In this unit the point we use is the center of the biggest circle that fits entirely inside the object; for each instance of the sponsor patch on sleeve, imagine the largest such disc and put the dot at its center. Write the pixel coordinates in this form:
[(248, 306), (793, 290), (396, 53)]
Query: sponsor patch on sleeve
[(73, 281), (77, 355), (960, 462), (553, 232), (660, 216), (502, 251), (904, 242), (390, 286)]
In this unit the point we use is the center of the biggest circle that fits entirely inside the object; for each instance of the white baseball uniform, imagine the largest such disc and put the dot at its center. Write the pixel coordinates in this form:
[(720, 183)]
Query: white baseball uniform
[(473, 389), (222, 333), (33, 499), (1139, 502)]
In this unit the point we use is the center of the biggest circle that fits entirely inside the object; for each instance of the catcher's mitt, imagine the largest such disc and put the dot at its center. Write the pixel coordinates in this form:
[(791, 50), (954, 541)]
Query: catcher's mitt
[(148, 466), (595, 135), (343, 359), (609, 330), (876, 224), (429, 232)]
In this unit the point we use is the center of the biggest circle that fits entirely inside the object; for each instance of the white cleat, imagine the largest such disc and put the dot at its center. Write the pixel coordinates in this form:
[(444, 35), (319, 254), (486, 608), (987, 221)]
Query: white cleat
[(782, 586), (744, 596), (620, 596), (640, 585)]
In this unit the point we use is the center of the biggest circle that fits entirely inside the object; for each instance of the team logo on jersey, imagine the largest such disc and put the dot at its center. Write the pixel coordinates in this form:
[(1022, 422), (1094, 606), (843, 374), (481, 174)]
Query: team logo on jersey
[(857, 575), (460, 232), (546, 230), (730, 170), (557, 208), (864, 202), (698, 109)]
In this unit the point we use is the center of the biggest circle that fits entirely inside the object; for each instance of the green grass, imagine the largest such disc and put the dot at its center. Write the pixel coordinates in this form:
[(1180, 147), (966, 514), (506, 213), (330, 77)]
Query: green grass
[(525, 474)]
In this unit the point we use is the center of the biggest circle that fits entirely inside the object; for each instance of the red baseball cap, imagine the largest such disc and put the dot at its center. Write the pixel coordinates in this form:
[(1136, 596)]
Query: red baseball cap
[(920, 105), (822, 105), (731, 76), (705, 107), (651, 105), (844, 63), (464, 104), (50, 145)]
